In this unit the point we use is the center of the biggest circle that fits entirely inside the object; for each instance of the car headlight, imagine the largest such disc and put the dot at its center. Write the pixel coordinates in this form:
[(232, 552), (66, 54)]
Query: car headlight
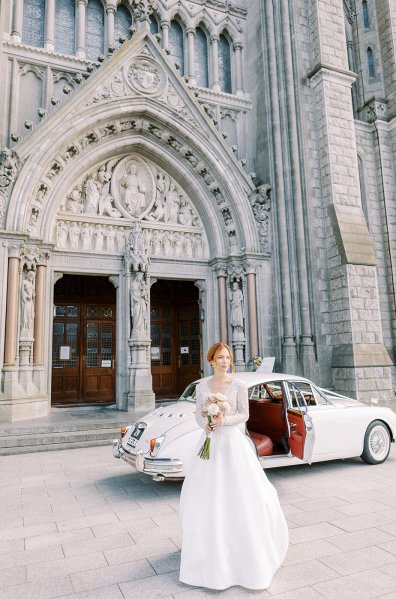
[(155, 445)]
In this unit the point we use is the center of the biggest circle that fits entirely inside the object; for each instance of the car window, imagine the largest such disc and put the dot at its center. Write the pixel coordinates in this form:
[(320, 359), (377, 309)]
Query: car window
[(311, 395), (266, 392), (296, 396), (188, 393)]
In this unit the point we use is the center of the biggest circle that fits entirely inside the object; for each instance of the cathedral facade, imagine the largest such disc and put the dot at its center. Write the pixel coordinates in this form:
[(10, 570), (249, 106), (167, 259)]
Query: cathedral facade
[(173, 173)]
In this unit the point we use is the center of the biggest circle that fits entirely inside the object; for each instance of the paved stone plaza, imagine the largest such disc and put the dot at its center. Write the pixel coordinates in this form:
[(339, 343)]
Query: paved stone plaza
[(79, 524)]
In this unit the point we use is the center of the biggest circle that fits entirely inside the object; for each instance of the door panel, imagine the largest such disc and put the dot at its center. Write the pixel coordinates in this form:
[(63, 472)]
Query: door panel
[(175, 336), (301, 429), (88, 329), (297, 433)]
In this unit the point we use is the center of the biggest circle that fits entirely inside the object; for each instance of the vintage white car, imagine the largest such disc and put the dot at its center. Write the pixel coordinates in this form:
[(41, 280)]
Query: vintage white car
[(291, 421)]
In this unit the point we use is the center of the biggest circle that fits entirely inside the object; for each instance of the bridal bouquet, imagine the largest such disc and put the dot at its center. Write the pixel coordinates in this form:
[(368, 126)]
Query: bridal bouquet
[(215, 410)]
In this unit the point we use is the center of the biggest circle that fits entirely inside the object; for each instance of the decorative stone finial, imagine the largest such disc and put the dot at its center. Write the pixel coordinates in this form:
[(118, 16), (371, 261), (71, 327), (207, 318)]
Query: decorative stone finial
[(141, 10)]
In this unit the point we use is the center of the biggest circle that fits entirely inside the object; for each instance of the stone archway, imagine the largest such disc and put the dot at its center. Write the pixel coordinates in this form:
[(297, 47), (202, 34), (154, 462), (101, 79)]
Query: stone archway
[(135, 154)]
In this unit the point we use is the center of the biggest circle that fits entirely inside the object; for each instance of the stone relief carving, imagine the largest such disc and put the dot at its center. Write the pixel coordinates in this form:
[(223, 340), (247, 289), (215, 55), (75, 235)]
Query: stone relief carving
[(27, 303), (9, 167), (111, 239), (137, 253), (145, 76), (134, 189), (261, 205)]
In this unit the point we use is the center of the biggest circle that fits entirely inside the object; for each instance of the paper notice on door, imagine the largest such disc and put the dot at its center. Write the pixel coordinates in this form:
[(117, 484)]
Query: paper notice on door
[(106, 363), (64, 352), (184, 350)]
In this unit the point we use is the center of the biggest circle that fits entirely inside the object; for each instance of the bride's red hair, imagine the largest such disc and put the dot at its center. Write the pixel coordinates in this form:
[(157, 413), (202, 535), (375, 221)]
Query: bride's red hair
[(216, 348)]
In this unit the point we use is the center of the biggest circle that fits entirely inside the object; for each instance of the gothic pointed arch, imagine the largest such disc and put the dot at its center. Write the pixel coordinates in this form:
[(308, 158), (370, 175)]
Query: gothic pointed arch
[(135, 114)]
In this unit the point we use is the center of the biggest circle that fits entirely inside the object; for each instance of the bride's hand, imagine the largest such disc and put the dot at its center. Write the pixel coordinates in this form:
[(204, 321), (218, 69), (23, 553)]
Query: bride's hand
[(217, 420)]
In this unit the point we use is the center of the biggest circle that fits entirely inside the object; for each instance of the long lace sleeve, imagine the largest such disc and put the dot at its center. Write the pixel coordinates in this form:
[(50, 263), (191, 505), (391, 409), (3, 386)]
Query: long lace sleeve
[(201, 420), (242, 407)]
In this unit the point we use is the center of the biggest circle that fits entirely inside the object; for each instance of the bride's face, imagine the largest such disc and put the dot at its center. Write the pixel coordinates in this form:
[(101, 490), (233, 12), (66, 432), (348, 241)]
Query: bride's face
[(222, 361)]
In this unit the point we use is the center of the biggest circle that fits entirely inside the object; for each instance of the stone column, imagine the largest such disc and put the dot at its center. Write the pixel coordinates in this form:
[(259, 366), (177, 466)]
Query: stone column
[(386, 22), (81, 12), (307, 350), (289, 349), (214, 46), (165, 34), (17, 20), (222, 293), (38, 334), (49, 38), (238, 68), (191, 54), (360, 361), (110, 14), (252, 313), (10, 345)]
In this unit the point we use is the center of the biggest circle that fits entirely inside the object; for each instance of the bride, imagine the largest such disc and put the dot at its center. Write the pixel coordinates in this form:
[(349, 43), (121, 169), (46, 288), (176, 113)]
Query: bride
[(233, 528)]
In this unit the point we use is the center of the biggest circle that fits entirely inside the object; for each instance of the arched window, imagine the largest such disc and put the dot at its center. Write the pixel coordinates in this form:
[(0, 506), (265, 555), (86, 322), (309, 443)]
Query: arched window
[(122, 23), (201, 58), (225, 65), (33, 23), (176, 44), (65, 26), (370, 62), (94, 29), (366, 19), (154, 27)]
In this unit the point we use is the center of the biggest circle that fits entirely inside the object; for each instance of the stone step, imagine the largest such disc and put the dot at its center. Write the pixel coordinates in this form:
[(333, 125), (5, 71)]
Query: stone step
[(4, 451), (59, 427), (49, 440)]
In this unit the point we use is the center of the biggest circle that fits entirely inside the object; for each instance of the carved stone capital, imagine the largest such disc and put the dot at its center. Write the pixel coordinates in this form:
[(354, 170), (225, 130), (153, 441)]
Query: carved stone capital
[(190, 31), (238, 46), (214, 38), (373, 110)]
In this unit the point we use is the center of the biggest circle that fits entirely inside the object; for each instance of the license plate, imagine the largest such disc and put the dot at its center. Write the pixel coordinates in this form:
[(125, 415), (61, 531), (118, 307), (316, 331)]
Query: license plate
[(135, 436)]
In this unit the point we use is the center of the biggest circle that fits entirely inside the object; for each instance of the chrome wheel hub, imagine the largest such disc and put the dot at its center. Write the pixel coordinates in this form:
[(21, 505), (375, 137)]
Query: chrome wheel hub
[(379, 442)]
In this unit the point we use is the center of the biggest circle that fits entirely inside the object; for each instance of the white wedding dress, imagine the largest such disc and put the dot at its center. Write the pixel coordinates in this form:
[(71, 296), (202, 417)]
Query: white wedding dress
[(232, 526)]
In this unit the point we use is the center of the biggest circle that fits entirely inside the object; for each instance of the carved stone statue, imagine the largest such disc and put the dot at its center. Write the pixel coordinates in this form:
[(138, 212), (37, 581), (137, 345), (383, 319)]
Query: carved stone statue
[(136, 256), (61, 234), (92, 194), (236, 303), (134, 190), (74, 202), (138, 304), (261, 205), (172, 204), (105, 198), (98, 238), (120, 239), (186, 214), (9, 167), (86, 236), (74, 235), (27, 302)]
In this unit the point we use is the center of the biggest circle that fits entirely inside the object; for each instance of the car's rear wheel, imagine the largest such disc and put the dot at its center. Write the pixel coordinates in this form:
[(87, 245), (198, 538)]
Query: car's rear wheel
[(377, 443)]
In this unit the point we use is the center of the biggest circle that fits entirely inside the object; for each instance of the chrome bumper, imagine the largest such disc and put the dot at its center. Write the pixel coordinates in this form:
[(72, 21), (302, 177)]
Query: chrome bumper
[(164, 466)]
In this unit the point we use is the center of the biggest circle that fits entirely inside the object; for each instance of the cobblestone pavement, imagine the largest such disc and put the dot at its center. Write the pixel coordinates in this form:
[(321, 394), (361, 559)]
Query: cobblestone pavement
[(79, 524)]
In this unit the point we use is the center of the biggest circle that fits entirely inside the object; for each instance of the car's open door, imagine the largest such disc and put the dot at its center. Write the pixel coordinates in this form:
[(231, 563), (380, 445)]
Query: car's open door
[(300, 425)]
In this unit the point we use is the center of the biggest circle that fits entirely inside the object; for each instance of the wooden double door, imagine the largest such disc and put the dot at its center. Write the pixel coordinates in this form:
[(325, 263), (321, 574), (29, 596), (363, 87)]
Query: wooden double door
[(83, 345), (175, 336)]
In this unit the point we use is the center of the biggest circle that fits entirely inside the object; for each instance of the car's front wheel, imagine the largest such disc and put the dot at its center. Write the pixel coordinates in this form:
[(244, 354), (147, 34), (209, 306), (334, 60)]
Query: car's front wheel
[(377, 443)]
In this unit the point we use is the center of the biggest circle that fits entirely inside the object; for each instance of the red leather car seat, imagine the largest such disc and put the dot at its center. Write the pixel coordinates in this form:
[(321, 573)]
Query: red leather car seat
[(262, 442)]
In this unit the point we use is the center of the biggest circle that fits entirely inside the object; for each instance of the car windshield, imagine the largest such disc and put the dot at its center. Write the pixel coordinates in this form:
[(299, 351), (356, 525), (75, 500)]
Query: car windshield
[(188, 394)]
